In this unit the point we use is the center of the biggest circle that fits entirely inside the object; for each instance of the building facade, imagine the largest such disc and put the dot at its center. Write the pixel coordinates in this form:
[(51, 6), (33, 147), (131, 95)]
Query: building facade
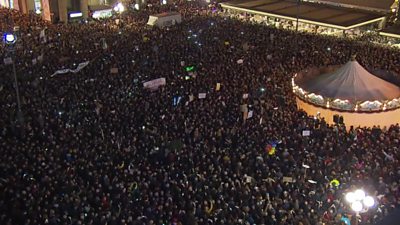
[(55, 10)]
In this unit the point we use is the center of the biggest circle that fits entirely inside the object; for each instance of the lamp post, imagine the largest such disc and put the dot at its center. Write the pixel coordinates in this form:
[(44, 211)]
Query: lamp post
[(10, 39), (359, 202)]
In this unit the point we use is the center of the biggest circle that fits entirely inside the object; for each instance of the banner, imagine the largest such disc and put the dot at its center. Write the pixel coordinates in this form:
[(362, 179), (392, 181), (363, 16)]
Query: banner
[(80, 67), (46, 10), (287, 180), (64, 71), (154, 84)]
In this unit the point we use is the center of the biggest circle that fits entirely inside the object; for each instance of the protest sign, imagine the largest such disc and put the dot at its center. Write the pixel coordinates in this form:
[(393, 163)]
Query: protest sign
[(114, 70), (154, 84), (218, 87), (250, 114), (306, 133), (287, 180), (202, 95)]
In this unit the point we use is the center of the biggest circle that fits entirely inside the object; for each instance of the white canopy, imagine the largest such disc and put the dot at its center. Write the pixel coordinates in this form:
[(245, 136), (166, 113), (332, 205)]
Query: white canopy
[(351, 82)]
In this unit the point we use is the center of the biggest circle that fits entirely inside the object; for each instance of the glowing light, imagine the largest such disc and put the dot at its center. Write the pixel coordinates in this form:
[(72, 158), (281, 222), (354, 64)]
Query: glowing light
[(75, 15), (9, 38), (350, 197), (369, 201), (359, 195), (119, 8), (357, 206)]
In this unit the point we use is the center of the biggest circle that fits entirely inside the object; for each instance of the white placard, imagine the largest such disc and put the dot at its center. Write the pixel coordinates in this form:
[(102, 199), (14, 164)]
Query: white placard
[(306, 133), (250, 114), (154, 84), (202, 95)]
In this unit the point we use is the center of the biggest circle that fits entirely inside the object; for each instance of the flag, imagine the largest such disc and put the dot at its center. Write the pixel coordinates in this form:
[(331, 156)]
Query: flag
[(46, 10), (271, 148)]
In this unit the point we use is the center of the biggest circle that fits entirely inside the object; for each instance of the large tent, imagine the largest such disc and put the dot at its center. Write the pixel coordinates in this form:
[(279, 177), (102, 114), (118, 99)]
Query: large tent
[(351, 82), (350, 91)]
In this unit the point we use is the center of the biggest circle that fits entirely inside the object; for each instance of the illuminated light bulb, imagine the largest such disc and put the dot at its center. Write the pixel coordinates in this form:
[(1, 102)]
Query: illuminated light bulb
[(356, 206), (350, 197), (369, 201), (359, 195)]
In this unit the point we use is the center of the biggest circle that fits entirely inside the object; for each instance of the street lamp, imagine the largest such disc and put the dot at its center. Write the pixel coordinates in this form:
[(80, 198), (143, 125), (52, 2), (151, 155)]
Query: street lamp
[(359, 201), (10, 39)]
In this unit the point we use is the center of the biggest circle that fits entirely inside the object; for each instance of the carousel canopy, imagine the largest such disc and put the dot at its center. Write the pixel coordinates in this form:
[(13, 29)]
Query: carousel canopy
[(351, 82)]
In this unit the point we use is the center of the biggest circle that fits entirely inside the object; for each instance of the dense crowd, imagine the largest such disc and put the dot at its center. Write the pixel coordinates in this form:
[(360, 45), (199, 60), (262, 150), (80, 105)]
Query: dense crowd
[(95, 147)]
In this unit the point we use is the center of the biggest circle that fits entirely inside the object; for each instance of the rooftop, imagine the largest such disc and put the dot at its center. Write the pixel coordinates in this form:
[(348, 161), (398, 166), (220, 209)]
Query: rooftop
[(313, 13)]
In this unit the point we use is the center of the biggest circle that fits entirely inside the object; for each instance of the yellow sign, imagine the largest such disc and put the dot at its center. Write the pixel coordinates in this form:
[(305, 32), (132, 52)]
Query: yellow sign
[(218, 87)]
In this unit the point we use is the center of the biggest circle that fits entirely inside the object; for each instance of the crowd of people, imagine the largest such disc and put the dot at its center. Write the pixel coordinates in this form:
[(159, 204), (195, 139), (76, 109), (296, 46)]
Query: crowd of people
[(95, 147)]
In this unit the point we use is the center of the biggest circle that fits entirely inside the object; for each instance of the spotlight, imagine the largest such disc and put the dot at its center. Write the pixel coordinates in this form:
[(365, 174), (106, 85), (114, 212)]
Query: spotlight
[(369, 201), (350, 197), (119, 8), (359, 195), (357, 206)]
